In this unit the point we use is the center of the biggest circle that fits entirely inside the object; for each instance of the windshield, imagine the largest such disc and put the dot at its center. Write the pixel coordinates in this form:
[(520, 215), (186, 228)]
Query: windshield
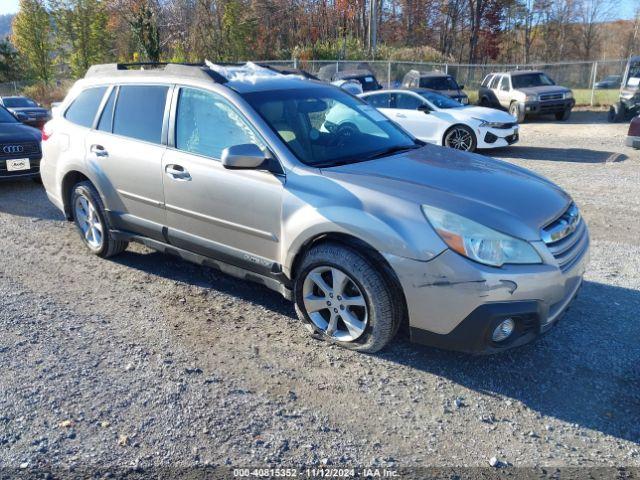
[(6, 117), (438, 83), (19, 102), (531, 80), (440, 101), (326, 127), (634, 74)]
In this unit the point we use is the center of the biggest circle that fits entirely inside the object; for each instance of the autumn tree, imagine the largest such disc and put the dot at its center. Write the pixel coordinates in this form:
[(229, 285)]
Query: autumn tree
[(32, 38)]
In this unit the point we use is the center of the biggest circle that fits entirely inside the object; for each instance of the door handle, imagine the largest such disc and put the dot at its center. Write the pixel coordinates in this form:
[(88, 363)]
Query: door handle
[(99, 151), (177, 172), (400, 115)]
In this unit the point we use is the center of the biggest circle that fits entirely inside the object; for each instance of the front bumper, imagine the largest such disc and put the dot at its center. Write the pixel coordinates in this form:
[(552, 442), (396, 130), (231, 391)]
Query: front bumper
[(496, 137), (455, 303), (633, 142), (547, 107), (33, 172)]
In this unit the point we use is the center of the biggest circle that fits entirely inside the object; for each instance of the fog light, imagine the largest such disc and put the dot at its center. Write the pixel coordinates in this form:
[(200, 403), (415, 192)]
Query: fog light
[(504, 330)]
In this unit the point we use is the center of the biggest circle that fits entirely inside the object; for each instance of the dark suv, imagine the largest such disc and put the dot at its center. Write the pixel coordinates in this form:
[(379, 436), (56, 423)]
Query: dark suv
[(19, 148), (26, 110), (438, 81)]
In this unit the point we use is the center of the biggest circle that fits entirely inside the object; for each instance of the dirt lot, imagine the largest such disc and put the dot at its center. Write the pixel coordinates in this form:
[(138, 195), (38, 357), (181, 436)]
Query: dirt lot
[(147, 362)]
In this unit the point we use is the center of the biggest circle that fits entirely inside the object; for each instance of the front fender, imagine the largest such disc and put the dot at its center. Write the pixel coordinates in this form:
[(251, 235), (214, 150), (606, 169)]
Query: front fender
[(308, 223)]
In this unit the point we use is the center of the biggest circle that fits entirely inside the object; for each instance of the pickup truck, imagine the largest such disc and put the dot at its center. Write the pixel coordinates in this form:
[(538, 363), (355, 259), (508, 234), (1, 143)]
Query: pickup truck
[(526, 92)]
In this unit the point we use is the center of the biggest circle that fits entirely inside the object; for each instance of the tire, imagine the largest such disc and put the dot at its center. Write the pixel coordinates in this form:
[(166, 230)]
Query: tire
[(564, 115), (91, 222), (370, 299), (516, 111), (616, 113), (484, 102), (460, 137)]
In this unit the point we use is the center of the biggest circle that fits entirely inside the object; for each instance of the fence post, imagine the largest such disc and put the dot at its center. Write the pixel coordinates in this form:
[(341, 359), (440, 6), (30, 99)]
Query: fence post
[(295, 62), (593, 81), (389, 74), (446, 68)]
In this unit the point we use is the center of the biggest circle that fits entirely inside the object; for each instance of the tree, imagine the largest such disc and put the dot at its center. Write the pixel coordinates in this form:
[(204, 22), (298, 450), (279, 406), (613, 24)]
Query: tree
[(590, 15), (83, 37), (10, 65), (32, 38)]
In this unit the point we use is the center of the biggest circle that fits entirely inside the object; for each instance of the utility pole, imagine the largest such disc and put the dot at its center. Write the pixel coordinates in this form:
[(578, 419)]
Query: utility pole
[(373, 27)]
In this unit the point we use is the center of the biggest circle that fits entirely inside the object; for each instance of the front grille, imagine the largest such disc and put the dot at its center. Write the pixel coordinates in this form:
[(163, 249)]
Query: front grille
[(505, 126), (28, 150), (551, 96), (567, 238)]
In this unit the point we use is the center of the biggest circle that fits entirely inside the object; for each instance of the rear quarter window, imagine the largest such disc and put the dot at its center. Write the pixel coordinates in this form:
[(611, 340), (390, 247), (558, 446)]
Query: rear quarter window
[(139, 112), (84, 108)]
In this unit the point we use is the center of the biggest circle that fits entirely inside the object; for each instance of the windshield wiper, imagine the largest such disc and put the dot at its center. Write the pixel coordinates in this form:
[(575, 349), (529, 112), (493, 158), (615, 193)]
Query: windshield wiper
[(390, 151)]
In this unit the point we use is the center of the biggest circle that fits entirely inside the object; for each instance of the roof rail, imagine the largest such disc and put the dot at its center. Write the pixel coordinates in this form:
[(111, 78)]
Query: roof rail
[(195, 70)]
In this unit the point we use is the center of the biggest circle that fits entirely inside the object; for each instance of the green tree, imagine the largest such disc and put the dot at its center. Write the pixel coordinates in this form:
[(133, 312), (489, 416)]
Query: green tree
[(32, 38), (239, 30), (10, 65), (83, 37)]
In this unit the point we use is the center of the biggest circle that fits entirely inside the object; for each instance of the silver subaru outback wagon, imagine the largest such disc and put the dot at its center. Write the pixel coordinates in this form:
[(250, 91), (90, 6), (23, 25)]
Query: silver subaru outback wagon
[(266, 177)]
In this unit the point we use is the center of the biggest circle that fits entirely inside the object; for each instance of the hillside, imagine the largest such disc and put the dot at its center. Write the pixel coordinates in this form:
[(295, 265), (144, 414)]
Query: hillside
[(5, 24)]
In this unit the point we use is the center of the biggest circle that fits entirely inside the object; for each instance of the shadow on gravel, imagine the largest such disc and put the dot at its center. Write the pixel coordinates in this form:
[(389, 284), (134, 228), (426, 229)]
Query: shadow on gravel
[(26, 198), (585, 371), (573, 155), (579, 117), (178, 270)]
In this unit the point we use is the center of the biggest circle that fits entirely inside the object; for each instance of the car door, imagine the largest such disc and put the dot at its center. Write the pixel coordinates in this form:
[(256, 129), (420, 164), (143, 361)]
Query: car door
[(504, 91), (421, 124), (230, 215), (126, 150)]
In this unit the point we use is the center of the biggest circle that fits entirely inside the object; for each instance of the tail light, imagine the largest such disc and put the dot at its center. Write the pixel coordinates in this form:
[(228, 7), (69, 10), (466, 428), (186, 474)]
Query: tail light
[(47, 131)]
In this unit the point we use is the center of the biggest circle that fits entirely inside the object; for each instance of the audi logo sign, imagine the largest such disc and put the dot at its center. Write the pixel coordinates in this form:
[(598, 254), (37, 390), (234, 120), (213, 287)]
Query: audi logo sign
[(13, 149)]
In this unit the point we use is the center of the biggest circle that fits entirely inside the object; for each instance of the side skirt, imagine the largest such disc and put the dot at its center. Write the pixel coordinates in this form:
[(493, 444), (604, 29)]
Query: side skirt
[(278, 282)]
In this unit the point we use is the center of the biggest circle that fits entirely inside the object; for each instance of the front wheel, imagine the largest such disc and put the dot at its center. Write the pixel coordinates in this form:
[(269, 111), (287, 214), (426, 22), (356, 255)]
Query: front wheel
[(516, 111), (564, 115), (460, 137), (91, 221), (616, 112), (343, 298)]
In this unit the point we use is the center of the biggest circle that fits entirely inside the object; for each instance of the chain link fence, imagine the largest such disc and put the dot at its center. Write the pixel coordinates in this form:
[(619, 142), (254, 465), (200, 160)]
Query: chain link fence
[(579, 76)]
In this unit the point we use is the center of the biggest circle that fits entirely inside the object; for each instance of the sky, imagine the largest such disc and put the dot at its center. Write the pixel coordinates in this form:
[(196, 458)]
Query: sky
[(625, 8)]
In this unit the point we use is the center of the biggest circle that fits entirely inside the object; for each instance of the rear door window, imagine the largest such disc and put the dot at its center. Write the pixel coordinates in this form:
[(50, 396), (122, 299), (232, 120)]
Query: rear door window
[(405, 101), (139, 112), (379, 100), (84, 108)]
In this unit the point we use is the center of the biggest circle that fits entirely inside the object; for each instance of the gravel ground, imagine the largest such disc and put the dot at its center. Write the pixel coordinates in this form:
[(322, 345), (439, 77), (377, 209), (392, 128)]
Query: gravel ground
[(147, 362)]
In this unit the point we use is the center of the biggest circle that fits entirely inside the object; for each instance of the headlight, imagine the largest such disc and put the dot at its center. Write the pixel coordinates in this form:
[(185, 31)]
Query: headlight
[(531, 98), (477, 242), (487, 124), (464, 100), (568, 95)]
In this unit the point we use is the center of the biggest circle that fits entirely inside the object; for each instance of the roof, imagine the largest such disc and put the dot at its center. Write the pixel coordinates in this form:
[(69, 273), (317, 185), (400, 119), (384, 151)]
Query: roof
[(345, 74), (515, 73), (432, 73), (195, 71)]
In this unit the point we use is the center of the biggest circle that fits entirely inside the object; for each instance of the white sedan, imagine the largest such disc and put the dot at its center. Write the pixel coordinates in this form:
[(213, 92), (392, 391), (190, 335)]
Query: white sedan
[(435, 118)]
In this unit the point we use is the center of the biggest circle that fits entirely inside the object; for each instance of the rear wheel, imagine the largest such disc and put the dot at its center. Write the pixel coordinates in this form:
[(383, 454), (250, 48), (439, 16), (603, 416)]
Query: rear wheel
[(343, 298), (91, 221), (460, 137), (516, 111)]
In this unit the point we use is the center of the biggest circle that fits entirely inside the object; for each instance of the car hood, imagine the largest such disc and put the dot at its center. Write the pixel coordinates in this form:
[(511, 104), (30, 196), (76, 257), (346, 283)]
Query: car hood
[(29, 110), (483, 113), (18, 132), (544, 89), (497, 194)]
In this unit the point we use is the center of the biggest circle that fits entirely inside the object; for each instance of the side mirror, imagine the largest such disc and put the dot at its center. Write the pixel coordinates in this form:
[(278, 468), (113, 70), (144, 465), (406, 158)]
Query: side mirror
[(246, 156), (424, 108), (461, 87)]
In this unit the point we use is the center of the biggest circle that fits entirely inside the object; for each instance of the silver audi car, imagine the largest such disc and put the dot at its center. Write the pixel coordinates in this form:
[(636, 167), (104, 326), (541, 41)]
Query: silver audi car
[(266, 177)]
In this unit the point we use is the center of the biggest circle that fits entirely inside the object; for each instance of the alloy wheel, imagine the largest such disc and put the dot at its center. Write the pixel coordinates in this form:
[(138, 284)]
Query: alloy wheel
[(335, 304), (460, 139), (89, 222)]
